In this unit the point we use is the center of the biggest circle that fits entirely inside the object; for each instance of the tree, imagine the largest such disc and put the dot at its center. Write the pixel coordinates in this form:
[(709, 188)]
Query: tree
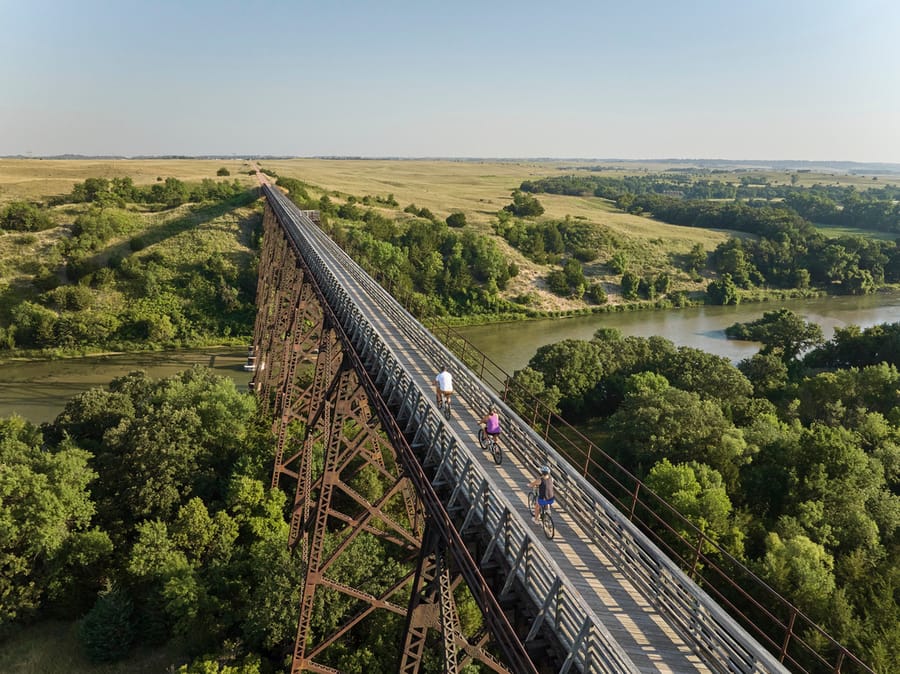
[(661, 284), (527, 388), (767, 373), (557, 283), (106, 632), (45, 514), (696, 259), (573, 366), (630, 284), (524, 205), (656, 420), (781, 332), (712, 377), (800, 569), (723, 291), (596, 293), (698, 493), (456, 220)]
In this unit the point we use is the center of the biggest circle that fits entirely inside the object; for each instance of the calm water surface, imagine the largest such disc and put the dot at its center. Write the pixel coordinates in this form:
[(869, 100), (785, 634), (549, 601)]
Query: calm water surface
[(511, 345), (39, 390)]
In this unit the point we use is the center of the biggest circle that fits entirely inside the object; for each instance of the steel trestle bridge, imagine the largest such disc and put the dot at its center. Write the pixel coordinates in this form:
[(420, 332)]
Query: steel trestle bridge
[(345, 371)]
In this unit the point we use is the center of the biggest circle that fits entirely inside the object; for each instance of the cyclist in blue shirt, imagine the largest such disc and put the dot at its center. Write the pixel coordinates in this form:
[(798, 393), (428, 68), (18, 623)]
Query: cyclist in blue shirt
[(544, 483)]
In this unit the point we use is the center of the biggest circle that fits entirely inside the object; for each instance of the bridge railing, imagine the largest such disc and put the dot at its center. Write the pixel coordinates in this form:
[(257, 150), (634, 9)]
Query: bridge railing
[(700, 619)]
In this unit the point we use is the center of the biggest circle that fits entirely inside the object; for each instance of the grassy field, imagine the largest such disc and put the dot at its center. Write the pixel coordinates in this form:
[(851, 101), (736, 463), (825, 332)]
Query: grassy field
[(834, 231), (477, 188), (38, 179), (52, 648)]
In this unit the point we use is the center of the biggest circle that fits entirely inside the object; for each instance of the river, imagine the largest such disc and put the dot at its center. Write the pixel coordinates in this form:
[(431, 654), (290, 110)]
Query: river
[(38, 390), (511, 345)]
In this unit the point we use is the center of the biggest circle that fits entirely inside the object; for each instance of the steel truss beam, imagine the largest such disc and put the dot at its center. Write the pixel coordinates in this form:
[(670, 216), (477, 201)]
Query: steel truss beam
[(432, 606), (330, 442)]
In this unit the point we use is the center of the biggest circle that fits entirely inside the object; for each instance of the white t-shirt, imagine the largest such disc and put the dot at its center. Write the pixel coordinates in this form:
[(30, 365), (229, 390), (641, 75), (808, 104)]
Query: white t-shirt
[(445, 381)]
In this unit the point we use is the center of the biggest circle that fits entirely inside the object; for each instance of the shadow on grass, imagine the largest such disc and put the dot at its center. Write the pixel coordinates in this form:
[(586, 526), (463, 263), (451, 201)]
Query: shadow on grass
[(169, 229), (195, 217), (51, 647)]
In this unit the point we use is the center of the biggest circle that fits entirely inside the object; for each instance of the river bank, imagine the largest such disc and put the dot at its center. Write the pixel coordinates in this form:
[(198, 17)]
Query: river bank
[(38, 389)]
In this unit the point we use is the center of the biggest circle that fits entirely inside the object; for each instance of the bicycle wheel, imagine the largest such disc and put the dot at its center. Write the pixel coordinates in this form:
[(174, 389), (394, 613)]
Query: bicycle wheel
[(496, 451), (531, 499), (447, 409), (482, 438), (547, 523)]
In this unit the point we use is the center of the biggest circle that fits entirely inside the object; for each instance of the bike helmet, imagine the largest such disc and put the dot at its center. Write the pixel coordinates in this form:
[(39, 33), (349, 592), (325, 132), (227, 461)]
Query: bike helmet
[(545, 470)]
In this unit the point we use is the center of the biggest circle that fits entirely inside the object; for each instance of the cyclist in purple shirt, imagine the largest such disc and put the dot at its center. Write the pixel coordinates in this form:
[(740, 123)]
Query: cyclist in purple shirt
[(491, 423)]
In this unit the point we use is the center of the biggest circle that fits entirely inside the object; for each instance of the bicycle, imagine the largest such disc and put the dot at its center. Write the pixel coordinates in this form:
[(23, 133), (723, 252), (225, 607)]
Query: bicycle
[(445, 407), (546, 518), (489, 441)]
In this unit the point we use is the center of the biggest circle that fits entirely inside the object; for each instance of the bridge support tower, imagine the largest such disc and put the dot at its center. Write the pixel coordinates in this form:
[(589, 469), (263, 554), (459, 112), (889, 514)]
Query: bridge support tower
[(352, 498)]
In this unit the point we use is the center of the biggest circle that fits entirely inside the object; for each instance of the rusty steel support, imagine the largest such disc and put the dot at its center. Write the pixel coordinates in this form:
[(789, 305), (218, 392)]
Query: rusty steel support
[(333, 515), (432, 607), (347, 480)]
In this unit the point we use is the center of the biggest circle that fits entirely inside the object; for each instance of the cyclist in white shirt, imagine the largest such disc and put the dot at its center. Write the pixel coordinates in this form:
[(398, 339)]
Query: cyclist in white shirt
[(443, 386)]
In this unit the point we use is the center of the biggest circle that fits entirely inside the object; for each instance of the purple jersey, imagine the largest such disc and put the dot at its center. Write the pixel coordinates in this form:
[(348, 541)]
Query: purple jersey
[(492, 425)]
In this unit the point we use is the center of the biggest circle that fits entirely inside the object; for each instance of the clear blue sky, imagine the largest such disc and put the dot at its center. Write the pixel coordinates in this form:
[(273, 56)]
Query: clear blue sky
[(767, 79)]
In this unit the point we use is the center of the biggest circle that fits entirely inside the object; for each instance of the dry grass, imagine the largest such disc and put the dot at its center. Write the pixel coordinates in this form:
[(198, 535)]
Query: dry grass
[(38, 179)]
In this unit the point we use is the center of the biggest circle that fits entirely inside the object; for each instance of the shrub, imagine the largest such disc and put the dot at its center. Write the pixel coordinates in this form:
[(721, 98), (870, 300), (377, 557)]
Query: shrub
[(24, 217), (618, 263), (596, 293), (456, 220), (106, 631), (223, 172)]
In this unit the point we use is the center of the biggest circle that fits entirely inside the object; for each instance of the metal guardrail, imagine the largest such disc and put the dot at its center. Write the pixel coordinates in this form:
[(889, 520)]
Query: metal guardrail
[(722, 643)]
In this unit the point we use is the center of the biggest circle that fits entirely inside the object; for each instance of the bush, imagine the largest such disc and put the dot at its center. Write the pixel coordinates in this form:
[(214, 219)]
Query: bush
[(106, 633), (456, 220), (223, 172), (596, 293), (23, 217), (618, 263)]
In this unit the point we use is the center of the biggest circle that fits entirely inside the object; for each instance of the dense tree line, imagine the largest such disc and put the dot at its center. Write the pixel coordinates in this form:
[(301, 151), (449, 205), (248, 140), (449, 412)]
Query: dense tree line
[(875, 208), (787, 252), (166, 193), (790, 460), (144, 512)]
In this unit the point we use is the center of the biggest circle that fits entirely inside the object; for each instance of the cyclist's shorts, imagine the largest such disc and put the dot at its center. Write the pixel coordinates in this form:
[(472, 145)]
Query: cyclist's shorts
[(446, 393), (496, 434), (546, 501)]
